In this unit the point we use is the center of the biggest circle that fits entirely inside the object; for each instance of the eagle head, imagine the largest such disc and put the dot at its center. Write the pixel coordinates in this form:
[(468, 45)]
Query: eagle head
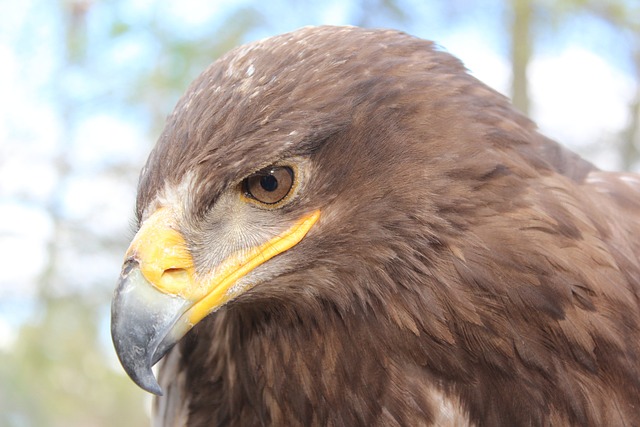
[(358, 190)]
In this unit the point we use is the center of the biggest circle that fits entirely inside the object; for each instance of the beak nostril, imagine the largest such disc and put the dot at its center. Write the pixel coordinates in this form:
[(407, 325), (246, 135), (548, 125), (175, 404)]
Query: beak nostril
[(174, 280)]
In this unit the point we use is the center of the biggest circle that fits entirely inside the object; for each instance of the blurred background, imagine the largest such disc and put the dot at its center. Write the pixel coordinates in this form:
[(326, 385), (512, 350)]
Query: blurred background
[(85, 86)]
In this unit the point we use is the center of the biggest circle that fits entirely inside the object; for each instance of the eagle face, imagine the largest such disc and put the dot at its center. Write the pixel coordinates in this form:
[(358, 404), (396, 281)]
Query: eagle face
[(345, 215), (259, 157)]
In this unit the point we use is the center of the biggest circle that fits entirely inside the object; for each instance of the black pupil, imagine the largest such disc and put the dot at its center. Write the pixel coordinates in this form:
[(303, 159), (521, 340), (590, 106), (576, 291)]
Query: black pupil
[(269, 182)]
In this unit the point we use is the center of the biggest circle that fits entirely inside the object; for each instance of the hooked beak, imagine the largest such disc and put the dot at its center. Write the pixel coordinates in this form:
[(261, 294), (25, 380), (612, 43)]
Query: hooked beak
[(142, 325), (159, 297)]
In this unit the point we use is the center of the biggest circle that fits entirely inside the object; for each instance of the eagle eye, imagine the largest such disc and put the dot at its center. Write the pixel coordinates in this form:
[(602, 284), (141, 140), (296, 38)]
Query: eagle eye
[(270, 185)]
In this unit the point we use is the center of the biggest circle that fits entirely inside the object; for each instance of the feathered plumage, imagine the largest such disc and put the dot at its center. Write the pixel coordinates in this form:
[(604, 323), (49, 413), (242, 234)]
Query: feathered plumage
[(460, 268)]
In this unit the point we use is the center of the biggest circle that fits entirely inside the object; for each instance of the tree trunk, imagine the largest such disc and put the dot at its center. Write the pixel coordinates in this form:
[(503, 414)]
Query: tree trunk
[(630, 136), (521, 50)]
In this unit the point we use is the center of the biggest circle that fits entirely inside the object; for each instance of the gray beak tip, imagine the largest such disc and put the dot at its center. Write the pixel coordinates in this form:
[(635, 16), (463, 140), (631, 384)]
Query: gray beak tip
[(143, 326), (137, 365)]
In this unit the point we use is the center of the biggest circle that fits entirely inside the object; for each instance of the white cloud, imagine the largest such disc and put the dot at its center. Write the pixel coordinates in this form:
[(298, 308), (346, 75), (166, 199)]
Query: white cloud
[(8, 334), (578, 97), (24, 233), (102, 203), (484, 63), (103, 139)]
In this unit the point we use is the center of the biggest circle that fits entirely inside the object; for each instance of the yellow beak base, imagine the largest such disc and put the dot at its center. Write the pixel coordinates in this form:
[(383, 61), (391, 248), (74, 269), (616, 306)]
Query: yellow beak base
[(160, 296)]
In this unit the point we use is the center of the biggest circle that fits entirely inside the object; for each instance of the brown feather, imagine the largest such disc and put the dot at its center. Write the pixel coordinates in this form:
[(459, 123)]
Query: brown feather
[(466, 270)]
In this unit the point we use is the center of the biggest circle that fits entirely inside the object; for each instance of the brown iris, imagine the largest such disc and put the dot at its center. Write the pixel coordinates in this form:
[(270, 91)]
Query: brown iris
[(270, 185)]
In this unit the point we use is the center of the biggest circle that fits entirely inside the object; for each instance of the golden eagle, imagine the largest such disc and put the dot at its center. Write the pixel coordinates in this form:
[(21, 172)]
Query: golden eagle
[(342, 227)]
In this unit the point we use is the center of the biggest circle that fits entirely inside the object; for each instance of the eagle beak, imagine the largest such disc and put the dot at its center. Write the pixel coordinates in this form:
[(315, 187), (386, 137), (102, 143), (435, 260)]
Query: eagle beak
[(142, 321), (159, 297)]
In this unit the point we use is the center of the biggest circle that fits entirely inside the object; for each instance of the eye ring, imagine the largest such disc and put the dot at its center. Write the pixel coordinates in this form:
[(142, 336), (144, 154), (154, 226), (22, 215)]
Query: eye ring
[(269, 186)]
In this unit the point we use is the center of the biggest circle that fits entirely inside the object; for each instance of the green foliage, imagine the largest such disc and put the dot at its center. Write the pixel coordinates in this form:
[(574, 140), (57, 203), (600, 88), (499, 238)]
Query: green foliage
[(56, 374)]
